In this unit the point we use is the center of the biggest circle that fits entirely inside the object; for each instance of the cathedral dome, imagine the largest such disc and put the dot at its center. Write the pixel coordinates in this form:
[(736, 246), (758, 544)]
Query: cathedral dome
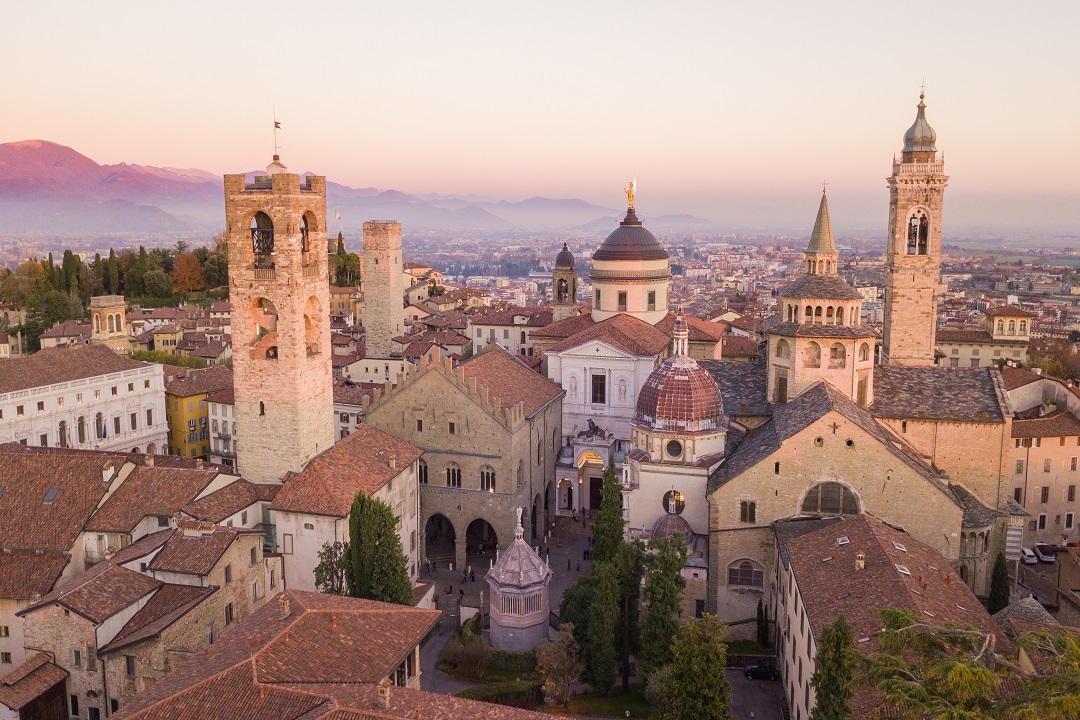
[(630, 241), (920, 137), (565, 259), (680, 396), (671, 526)]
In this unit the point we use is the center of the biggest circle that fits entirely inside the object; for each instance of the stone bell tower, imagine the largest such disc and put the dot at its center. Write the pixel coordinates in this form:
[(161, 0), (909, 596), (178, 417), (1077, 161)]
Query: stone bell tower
[(282, 376), (384, 294), (913, 262), (564, 286)]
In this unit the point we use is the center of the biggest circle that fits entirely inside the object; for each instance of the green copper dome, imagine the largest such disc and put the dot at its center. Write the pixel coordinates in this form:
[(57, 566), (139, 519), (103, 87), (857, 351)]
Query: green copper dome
[(920, 137)]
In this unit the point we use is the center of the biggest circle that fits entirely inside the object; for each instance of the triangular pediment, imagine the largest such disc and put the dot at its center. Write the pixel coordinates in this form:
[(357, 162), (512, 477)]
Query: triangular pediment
[(596, 349)]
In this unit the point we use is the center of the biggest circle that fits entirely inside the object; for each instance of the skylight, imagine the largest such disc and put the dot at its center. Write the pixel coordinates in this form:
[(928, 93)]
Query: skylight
[(51, 496), (842, 540), (903, 570), (899, 547)]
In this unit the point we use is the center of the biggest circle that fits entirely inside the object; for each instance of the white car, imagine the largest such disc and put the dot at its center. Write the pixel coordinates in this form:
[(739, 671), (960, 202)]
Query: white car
[(1043, 552), (1028, 556)]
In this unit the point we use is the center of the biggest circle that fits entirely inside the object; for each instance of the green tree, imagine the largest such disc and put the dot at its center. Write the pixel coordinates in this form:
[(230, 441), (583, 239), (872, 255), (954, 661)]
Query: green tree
[(165, 358), (333, 568), (378, 568), (157, 284), (834, 672), (28, 279), (999, 585), (216, 270), (44, 310), (693, 688), (558, 661), (607, 531), (603, 617), (574, 611), (112, 273), (664, 583), (630, 565)]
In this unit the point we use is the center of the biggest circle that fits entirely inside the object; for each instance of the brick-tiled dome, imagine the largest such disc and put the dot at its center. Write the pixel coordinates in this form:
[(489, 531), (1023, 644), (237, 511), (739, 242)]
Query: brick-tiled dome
[(680, 396), (670, 526)]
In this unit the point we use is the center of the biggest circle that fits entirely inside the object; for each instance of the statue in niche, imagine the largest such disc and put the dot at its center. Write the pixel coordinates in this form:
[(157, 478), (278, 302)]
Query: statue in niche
[(622, 389), (573, 387)]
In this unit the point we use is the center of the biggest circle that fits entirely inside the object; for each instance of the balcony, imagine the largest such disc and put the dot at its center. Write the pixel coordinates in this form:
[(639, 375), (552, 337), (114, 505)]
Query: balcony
[(311, 271)]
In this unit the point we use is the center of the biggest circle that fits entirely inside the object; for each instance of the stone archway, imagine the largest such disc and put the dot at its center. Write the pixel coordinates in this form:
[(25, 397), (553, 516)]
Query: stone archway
[(536, 518), (549, 503), (440, 540), (480, 540)]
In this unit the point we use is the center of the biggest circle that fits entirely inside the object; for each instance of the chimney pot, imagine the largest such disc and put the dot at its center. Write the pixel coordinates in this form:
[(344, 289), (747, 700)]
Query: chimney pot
[(384, 693), (860, 562), (149, 462), (283, 607)]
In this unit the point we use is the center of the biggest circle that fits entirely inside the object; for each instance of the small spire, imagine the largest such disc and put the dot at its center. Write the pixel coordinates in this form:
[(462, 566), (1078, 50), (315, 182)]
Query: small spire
[(821, 239), (519, 531), (680, 335)]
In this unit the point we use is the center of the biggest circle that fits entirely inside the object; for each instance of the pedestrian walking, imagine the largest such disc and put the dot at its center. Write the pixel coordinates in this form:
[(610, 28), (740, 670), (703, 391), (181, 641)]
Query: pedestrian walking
[(472, 575), (567, 564)]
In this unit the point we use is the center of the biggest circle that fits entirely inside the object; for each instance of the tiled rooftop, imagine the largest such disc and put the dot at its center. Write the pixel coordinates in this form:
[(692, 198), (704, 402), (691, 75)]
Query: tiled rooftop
[(61, 364)]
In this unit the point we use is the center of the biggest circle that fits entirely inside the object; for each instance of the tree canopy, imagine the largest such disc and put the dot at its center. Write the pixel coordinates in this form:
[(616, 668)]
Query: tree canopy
[(378, 569)]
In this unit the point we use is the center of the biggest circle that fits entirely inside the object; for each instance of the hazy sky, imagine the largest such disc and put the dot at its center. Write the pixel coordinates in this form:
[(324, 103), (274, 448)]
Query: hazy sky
[(732, 111)]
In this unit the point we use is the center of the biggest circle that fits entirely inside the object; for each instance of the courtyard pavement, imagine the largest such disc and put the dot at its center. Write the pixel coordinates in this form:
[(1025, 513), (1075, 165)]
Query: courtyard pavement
[(755, 699)]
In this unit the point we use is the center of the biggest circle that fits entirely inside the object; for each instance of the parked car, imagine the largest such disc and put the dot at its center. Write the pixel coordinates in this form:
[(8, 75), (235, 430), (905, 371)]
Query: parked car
[(1028, 556), (1043, 552), (762, 671)]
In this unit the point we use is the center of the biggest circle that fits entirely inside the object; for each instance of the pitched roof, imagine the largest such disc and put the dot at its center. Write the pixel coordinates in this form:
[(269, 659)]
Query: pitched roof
[(222, 397), (30, 681), (742, 385), (799, 413), (30, 475), (61, 364), (563, 328), (68, 328), (822, 330), (185, 382), (833, 586), (976, 513), (699, 330), (625, 332), (150, 491), (820, 287), (166, 606), (739, 346), (229, 500), (1060, 423), (1018, 377), (937, 393), (99, 593), (1008, 311), (357, 463), (510, 381), (25, 573), (195, 548)]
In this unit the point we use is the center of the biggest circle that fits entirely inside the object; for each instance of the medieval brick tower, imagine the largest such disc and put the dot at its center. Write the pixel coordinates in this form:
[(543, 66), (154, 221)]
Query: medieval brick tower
[(282, 379), (913, 264), (564, 286), (384, 295)]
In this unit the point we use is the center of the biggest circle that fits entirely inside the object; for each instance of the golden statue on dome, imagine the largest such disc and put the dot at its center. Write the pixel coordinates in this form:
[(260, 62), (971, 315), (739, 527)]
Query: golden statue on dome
[(630, 194)]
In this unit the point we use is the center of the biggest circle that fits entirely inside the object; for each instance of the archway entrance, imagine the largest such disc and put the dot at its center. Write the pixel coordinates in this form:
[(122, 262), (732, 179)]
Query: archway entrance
[(549, 503), (590, 481), (440, 540), (480, 541), (536, 519), (566, 495)]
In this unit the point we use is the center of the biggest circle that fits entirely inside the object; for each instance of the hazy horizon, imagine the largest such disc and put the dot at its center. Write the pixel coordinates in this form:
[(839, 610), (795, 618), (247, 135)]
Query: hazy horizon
[(735, 114)]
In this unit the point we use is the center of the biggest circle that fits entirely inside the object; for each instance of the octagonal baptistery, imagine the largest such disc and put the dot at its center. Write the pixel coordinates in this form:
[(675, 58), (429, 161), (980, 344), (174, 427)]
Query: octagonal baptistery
[(630, 274), (520, 604), (678, 434)]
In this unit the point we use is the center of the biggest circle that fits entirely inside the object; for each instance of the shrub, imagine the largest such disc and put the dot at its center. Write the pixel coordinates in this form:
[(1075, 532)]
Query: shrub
[(520, 693), (524, 662)]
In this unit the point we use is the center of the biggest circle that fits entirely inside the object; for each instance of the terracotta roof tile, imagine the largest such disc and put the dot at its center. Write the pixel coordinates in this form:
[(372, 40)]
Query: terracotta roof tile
[(509, 380), (624, 332), (167, 605), (739, 346), (30, 680), (24, 573), (149, 491), (185, 382), (1061, 423), (61, 364), (563, 328), (68, 328), (195, 548), (1008, 311), (357, 463), (99, 593), (1018, 377), (229, 500)]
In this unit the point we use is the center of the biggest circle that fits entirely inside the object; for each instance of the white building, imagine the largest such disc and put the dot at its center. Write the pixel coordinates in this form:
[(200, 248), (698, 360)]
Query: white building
[(313, 506), (223, 443), (85, 397)]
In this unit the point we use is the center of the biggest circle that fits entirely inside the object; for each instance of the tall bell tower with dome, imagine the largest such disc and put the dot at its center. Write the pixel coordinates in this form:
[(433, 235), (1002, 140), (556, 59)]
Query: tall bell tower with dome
[(913, 259), (630, 272), (564, 286)]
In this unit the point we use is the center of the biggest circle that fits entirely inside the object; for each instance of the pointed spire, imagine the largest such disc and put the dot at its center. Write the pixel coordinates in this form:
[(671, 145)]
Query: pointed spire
[(821, 240), (680, 335), (920, 137)]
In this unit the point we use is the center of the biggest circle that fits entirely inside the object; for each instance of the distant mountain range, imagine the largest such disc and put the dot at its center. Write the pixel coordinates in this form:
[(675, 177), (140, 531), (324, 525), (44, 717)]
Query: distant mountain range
[(46, 187)]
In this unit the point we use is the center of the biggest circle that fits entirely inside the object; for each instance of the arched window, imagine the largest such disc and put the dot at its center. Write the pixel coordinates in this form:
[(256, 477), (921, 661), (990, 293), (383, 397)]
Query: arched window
[(820, 266), (830, 315), (313, 314), (840, 315), (112, 327), (487, 478), (1012, 327), (746, 573), (453, 475), (563, 292), (262, 235), (748, 511), (99, 426), (830, 498), (837, 356), (864, 352), (539, 452), (97, 324), (1023, 326), (783, 350), (271, 352), (918, 233), (307, 225), (554, 439), (809, 314), (62, 434), (817, 314), (522, 337), (421, 471), (80, 429), (1001, 326), (521, 472), (812, 358)]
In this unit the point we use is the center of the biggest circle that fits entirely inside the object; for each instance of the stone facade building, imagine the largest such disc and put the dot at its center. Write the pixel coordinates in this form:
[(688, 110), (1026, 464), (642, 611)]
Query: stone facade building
[(490, 430), (1005, 336), (384, 307), (280, 300), (913, 258), (520, 603)]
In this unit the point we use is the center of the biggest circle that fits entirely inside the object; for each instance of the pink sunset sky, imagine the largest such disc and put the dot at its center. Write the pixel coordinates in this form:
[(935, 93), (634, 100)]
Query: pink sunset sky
[(731, 111)]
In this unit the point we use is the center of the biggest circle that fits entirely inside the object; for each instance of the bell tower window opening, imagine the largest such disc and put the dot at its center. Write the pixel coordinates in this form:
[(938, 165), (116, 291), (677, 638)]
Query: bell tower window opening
[(563, 293), (307, 224), (918, 233), (262, 237)]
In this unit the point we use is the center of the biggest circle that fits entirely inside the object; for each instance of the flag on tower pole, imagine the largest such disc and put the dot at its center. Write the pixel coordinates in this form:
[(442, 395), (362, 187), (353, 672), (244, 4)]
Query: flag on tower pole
[(277, 125), (337, 215)]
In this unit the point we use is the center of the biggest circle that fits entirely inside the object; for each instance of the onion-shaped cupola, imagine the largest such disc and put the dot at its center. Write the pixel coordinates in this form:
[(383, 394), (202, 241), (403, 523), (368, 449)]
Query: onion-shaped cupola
[(920, 139)]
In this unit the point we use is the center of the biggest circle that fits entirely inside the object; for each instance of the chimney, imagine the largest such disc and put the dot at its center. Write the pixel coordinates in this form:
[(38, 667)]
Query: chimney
[(283, 607), (199, 463), (393, 462), (860, 562), (149, 462), (384, 693)]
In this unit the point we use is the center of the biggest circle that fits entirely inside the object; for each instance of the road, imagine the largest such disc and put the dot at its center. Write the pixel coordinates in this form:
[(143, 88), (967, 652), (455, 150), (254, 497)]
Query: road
[(757, 699)]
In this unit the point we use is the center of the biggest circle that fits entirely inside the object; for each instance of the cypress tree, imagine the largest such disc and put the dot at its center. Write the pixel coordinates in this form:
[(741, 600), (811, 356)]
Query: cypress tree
[(662, 593), (607, 531), (603, 619), (697, 689), (834, 672), (999, 585), (378, 568)]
